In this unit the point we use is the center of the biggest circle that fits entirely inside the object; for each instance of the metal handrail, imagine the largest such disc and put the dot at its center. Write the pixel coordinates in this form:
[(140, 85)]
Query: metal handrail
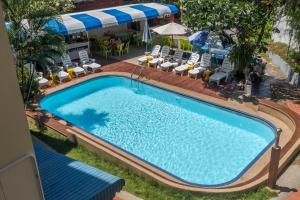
[(134, 69), (140, 73)]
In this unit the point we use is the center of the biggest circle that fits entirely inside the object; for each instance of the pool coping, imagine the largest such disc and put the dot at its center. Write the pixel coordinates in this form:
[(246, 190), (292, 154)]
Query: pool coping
[(228, 109), (154, 173)]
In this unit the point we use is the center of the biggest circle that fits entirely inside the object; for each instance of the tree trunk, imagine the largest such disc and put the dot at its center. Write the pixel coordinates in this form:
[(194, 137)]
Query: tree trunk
[(31, 76), (263, 29), (290, 41), (22, 79)]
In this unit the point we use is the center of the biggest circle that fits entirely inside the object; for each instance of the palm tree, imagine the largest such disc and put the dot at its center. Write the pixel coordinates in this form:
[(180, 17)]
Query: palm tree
[(31, 41)]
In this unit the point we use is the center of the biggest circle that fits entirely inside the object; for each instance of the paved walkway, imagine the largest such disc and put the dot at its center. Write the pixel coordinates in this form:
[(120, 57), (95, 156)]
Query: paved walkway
[(294, 196), (289, 182), (271, 76), (123, 195)]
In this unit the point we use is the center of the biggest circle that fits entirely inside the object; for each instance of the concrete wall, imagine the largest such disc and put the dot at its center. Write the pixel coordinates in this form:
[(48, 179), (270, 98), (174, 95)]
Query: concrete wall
[(292, 76), (18, 173), (283, 36)]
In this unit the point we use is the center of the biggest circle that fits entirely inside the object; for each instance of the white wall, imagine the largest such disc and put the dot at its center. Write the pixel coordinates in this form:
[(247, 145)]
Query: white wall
[(284, 35), (18, 174)]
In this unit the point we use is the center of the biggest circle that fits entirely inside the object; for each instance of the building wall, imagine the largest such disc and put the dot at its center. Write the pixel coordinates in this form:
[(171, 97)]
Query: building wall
[(283, 35), (97, 4), (18, 173)]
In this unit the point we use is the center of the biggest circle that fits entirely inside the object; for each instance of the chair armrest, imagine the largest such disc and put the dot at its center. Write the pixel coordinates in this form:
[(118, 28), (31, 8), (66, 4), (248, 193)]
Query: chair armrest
[(179, 61), (168, 57), (201, 63), (197, 64), (93, 60), (147, 53), (84, 62), (217, 69), (75, 64), (155, 55)]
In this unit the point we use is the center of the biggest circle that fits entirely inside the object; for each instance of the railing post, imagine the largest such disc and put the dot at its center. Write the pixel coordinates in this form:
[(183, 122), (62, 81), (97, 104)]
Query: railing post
[(274, 162)]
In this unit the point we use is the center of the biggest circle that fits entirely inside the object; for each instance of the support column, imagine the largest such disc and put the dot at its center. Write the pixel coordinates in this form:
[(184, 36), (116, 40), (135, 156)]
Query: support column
[(274, 162), (171, 18)]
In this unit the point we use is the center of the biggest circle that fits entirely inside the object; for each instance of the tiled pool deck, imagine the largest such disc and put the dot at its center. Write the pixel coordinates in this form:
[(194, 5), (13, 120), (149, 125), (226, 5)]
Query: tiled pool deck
[(278, 114)]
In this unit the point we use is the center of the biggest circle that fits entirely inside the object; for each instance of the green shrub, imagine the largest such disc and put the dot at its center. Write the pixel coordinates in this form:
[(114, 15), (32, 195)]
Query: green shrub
[(28, 84)]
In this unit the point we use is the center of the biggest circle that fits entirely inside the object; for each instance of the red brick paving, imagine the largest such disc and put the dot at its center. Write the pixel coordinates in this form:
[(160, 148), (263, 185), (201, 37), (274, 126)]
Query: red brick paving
[(294, 107), (294, 195), (165, 77), (116, 198)]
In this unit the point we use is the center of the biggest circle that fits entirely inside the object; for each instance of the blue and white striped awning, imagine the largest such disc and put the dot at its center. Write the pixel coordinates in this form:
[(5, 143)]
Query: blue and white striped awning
[(101, 18)]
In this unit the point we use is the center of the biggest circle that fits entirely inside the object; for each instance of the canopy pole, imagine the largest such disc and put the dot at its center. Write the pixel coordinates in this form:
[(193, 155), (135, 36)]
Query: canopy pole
[(87, 34)]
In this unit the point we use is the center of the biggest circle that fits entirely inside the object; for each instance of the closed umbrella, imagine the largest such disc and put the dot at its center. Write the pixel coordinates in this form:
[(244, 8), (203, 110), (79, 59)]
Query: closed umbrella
[(146, 34)]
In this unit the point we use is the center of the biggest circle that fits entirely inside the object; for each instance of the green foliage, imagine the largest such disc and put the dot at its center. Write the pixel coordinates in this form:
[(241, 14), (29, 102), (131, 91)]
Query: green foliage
[(134, 183), (55, 6), (252, 21), (292, 11), (28, 83), (30, 40), (211, 14)]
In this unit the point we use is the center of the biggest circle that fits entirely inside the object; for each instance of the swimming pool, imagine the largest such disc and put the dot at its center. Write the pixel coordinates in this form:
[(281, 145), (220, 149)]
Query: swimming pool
[(195, 141)]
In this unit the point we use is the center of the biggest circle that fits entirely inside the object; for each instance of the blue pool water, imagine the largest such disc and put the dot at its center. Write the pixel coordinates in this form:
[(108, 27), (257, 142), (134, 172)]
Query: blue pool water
[(198, 142)]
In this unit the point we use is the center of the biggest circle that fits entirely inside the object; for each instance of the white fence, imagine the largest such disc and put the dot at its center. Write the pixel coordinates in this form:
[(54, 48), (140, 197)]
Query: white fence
[(291, 75)]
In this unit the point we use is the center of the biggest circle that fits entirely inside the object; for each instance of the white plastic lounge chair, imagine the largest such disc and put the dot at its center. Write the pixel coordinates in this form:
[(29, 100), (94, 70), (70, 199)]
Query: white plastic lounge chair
[(163, 54), (66, 60), (223, 72), (42, 81), (190, 63), (38, 75), (201, 66), (174, 61), (154, 53), (88, 63), (62, 75)]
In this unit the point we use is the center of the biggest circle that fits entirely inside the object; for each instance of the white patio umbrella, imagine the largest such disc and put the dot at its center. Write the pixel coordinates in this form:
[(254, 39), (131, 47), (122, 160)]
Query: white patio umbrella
[(171, 29), (146, 34)]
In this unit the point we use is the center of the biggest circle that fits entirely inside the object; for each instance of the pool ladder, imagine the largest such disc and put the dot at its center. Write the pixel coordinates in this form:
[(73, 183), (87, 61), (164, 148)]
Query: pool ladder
[(140, 73)]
